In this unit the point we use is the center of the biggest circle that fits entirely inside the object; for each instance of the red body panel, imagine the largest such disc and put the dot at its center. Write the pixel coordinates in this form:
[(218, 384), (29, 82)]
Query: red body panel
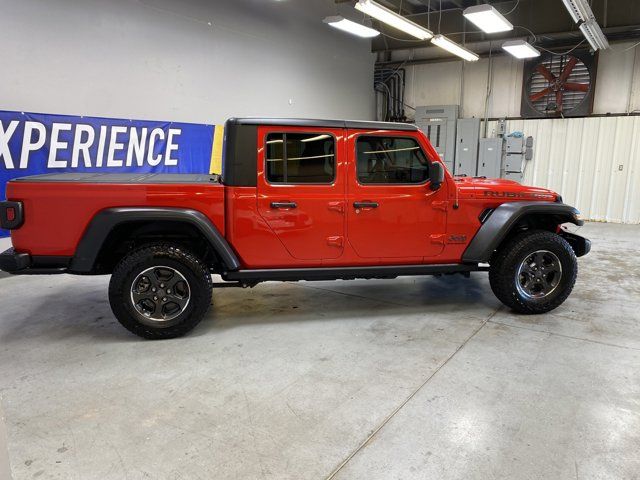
[(413, 225), (315, 229), (410, 222), (57, 214)]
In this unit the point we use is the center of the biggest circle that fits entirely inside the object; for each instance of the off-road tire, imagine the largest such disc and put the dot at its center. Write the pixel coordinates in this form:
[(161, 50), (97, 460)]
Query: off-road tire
[(177, 258), (506, 261)]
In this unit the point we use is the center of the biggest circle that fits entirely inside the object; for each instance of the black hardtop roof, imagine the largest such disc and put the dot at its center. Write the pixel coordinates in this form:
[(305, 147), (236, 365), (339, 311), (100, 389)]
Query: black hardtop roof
[(309, 122)]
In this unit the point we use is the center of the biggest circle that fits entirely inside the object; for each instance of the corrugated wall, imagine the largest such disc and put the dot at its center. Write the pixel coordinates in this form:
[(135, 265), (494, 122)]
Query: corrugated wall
[(594, 163)]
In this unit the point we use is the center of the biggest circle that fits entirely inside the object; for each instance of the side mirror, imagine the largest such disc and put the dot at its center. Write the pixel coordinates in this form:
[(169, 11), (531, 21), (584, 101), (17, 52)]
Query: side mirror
[(436, 175)]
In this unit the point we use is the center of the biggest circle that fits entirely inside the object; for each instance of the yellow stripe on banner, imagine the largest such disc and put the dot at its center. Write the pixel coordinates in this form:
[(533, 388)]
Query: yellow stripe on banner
[(216, 150)]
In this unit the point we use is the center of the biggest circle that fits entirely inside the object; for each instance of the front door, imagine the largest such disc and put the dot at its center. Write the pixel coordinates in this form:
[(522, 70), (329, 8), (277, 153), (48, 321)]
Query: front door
[(301, 189), (392, 213)]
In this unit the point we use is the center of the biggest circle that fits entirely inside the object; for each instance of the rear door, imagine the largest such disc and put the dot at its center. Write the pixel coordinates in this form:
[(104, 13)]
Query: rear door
[(392, 213), (301, 189)]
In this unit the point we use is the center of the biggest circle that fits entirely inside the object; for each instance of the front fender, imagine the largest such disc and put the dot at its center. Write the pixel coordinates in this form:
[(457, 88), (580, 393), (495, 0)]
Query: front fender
[(505, 217)]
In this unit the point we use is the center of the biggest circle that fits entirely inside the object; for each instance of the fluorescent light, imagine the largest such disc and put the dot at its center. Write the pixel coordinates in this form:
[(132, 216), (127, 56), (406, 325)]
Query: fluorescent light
[(453, 47), (593, 33), (579, 10), (487, 19), (392, 19), (582, 14), (520, 49), (351, 27)]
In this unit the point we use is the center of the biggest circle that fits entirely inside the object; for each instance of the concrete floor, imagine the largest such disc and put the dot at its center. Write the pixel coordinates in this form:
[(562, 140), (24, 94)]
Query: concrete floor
[(407, 379)]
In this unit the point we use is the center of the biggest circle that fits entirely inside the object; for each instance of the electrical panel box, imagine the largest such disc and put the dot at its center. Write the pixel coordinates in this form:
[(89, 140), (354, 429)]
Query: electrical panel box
[(490, 157), (518, 150), (515, 145), (515, 176), (438, 122), (467, 138), (528, 149), (501, 127)]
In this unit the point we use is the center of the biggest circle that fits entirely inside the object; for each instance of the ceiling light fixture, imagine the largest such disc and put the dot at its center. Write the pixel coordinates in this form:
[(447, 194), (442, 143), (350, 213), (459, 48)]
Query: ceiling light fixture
[(594, 35), (582, 14), (487, 18), (452, 47), (579, 10), (392, 19), (520, 49), (348, 26)]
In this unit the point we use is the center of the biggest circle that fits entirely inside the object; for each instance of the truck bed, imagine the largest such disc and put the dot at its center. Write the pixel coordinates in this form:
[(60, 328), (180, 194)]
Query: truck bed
[(59, 207), (135, 178)]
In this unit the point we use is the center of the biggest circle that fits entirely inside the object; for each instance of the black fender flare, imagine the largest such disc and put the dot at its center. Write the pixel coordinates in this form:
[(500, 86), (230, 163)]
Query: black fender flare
[(106, 220), (495, 228)]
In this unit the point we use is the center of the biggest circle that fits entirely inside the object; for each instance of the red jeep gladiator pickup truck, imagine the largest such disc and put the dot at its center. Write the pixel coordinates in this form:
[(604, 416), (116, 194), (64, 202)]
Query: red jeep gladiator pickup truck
[(297, 200)]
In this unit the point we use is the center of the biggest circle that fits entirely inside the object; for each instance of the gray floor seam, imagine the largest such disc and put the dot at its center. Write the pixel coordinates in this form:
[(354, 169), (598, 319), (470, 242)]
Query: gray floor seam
[(563, 335), (408, 399)]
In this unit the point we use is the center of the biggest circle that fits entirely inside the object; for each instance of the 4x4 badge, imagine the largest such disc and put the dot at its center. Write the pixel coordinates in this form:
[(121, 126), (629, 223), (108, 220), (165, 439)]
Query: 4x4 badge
[(457, 238)]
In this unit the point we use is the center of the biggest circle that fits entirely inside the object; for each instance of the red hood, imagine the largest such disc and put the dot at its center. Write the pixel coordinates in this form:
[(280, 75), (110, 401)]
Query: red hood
[(474, 187)]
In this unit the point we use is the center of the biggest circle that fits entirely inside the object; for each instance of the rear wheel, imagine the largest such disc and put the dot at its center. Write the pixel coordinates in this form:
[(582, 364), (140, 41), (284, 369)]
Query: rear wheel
[(534, 272), (160, 291)]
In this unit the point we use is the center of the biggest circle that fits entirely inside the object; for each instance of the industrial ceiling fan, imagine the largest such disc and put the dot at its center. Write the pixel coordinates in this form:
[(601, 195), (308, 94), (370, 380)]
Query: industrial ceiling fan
[(559, 85)]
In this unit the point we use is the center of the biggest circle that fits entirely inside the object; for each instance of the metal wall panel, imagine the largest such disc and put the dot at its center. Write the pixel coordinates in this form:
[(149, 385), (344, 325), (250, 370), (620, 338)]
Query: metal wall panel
[(594, 163)]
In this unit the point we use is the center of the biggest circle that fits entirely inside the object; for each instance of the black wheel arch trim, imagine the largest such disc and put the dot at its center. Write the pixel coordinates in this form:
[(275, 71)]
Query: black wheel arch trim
[(106, 220), (581, 246), (498, 225)]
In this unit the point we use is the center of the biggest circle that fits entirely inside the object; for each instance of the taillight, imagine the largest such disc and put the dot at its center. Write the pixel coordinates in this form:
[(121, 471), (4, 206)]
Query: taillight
[(11, 215)]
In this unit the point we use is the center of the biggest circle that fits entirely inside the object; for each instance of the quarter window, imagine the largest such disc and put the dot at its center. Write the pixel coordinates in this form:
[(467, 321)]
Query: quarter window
[(390, 160), (300, 158)]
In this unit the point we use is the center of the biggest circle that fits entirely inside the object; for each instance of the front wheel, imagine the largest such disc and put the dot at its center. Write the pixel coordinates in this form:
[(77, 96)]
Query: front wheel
[(534, 272), (160, 291)]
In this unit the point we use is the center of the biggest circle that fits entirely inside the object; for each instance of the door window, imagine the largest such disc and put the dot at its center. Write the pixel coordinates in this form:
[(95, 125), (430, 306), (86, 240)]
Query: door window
[(390, 160), (300, 158)]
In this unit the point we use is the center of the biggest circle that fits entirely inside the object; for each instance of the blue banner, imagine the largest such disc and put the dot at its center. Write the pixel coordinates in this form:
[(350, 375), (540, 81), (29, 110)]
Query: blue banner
[(35, 143)]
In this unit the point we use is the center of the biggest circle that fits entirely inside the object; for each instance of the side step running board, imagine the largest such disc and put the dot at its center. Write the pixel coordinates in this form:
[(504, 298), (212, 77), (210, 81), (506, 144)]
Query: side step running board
[(346, 273)]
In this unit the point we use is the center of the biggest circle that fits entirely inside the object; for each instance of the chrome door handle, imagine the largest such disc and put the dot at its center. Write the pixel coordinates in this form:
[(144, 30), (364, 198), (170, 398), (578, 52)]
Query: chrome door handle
[(284, 204), (365, 204)]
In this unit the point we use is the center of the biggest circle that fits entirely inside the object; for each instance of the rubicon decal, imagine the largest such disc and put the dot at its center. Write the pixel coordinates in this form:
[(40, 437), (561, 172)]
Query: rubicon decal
[(491, 193), (502, 194)]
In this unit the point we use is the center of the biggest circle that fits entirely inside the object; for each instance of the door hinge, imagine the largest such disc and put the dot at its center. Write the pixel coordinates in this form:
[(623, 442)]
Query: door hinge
[(335, 241), (336, 207), (437, 239), (440, 205)]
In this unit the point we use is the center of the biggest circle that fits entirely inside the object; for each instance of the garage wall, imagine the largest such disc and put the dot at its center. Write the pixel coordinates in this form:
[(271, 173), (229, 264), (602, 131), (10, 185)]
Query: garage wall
[(594, 163), (448, 82), (193, 61)]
